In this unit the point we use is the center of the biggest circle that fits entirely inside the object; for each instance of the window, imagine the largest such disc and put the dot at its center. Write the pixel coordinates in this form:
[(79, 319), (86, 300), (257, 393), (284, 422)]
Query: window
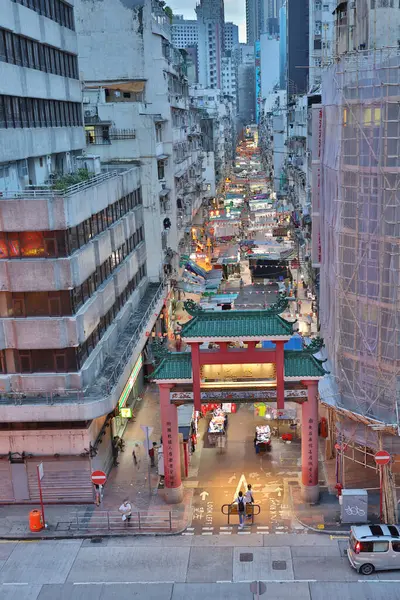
[(396, 546), (158, 132), (160, 169), (43, 114)]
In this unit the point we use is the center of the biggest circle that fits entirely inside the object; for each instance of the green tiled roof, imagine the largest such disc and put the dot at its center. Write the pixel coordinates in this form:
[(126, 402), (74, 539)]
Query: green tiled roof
[(302, 364), (236, 324), (177, 365)]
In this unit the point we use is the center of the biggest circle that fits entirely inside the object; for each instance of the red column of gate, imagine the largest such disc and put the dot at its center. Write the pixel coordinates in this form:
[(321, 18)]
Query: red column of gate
[(309, 443), (173, 491)]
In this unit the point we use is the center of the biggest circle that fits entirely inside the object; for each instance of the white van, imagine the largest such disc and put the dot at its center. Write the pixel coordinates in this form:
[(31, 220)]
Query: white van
[(374, 548)]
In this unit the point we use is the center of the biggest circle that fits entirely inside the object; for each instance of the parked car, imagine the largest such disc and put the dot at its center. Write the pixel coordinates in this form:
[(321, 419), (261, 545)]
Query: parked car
[(374, 548)]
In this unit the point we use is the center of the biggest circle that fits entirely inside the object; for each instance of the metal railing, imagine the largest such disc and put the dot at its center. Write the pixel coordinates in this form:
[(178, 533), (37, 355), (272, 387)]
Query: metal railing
[(252, 510), (105, 521), (51, 193), (134, 341)]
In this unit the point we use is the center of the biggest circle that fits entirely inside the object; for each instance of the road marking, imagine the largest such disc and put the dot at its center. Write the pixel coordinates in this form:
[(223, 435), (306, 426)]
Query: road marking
[(208, 528), (280, 581), (225, 581), (16, 583), (244, 532), (189, 528), (188, 533), (262, 527), (339, 537), (225, 532), (207, 533), (204, 495), (116, 582), (226, 527), (379, 581)]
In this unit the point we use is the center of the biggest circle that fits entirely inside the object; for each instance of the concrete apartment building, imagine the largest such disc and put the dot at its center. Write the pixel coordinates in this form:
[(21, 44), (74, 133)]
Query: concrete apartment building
[(355, 226), (142, 95), (218, 129), (80, 288)]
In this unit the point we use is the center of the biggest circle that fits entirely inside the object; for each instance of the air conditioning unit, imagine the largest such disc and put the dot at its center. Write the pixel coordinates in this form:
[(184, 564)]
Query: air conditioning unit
[(86, 100), (49, 164), (88, 113)]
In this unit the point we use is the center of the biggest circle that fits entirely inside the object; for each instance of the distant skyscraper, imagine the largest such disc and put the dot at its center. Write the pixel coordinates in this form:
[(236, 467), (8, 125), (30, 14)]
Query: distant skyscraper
[(297, 44), (231, 36), (184, 32), (210, 19), (262, 16), (253, 17)]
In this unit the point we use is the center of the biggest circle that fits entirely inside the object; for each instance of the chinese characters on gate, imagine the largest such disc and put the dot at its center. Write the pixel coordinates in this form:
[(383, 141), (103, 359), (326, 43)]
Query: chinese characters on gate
[(170, 462), (310, 451)]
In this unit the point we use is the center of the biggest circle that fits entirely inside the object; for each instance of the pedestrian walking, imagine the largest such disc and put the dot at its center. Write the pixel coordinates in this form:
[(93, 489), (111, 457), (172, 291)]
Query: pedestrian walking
[(126, 510), (99, 493), (249, 500), (152, 454), (241, 504)]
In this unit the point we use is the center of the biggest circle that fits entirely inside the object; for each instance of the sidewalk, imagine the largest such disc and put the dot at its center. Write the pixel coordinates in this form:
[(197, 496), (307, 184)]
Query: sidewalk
[(325, 516), (125, 481)]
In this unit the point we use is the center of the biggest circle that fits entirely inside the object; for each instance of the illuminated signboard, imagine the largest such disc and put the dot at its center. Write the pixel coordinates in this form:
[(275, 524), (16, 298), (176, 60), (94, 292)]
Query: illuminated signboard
[(126, 413), (131, 382)]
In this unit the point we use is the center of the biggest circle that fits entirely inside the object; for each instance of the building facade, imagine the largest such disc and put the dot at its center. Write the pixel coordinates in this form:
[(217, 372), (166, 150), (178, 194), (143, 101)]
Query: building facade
[(211, 23), (80, 301), (231, 36), (356, 223), (184, 32), (297, 45)]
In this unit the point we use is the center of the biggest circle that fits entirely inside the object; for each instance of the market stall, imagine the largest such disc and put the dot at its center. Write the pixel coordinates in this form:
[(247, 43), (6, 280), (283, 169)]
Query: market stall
[(217, 427), (262, 439)]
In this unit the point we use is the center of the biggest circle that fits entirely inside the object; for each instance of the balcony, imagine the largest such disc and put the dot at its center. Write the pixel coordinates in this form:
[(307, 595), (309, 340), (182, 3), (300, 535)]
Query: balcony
[(115, 363), (38, 208)]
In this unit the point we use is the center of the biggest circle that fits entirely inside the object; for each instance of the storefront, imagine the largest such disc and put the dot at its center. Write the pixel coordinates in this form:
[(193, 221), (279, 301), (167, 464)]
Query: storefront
[(128, 399)]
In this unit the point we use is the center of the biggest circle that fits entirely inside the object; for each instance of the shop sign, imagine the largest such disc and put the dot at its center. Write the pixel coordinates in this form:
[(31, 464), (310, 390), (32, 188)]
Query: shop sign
[(125, 413), (236, 395), (131, 382), (279, 232)]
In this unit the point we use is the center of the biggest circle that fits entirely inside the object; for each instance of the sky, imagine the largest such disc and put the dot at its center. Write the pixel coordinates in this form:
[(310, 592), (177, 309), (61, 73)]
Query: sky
[(235, 11)]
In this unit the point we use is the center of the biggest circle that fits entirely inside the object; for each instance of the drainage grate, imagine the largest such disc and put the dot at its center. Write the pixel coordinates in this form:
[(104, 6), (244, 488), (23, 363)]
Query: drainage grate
[(97, 540), (279, 565), (246, 557)]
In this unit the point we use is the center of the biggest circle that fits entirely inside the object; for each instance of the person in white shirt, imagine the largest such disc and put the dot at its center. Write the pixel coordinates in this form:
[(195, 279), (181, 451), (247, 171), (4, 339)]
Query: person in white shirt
[(249, 498), (241, 503), (126, 510)]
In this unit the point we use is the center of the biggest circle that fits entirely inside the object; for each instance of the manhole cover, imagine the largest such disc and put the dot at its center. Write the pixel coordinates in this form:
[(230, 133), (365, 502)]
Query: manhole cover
[(279, 565), (96, 540), (246, 557)]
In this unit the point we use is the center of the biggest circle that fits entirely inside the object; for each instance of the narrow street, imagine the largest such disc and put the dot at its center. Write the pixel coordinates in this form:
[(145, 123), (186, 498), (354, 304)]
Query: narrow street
[(220, 473)]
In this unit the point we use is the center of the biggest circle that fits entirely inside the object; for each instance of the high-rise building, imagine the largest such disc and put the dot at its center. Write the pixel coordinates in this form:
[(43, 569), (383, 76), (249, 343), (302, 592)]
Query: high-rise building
[(271, 14), (184, 32), (246, 84), (231, 36), (253, 21), (297, 44), (211, 23)]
